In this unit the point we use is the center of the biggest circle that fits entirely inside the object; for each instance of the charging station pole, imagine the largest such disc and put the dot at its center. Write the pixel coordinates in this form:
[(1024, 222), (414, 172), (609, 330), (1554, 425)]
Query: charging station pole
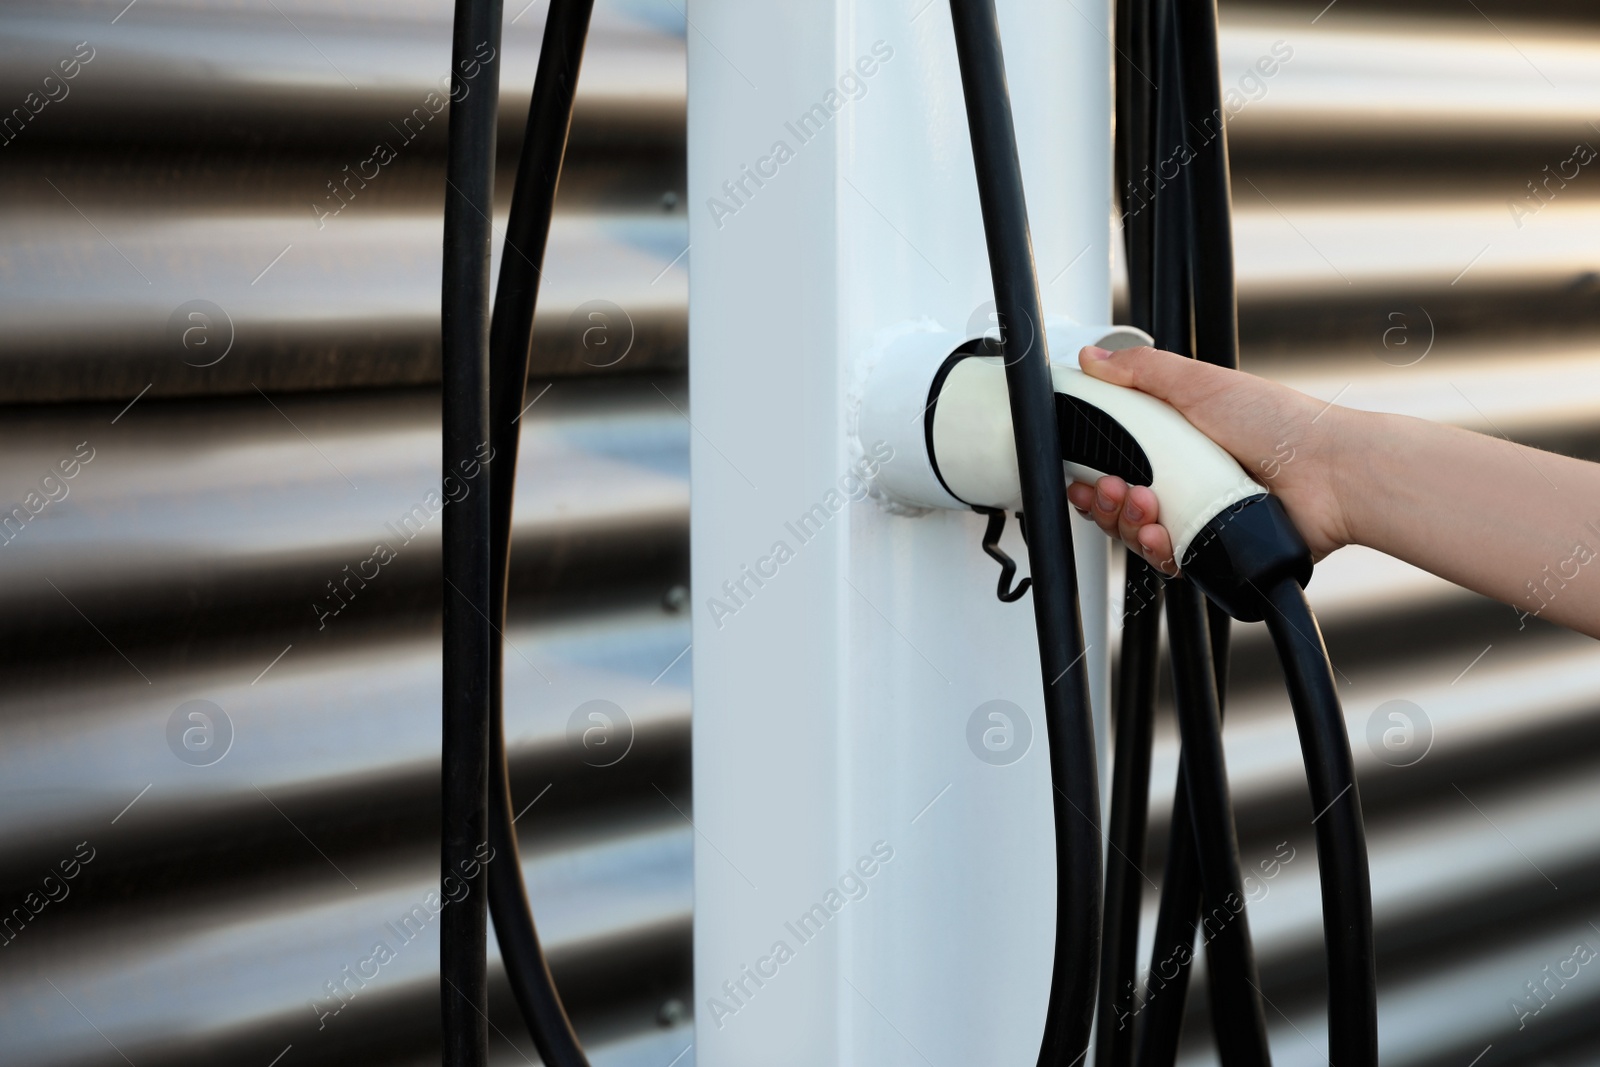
[(874, 879)]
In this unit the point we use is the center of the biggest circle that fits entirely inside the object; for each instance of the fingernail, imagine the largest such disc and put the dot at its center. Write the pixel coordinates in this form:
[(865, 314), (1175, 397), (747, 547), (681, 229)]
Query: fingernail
[(1133, 512), (1103, 502), (1095, 352)]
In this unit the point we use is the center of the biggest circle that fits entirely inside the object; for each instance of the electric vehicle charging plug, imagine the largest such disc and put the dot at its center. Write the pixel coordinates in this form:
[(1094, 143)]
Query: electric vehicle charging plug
[(1230, 537), (1244, 552)]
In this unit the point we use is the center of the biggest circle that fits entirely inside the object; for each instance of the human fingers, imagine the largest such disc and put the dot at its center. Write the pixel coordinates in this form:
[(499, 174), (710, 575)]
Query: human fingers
[(1154, 543), (1139, 508)]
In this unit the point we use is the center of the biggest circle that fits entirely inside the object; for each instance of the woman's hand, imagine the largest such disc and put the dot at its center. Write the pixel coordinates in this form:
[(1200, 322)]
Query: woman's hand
[(1285, 439), (1506, 520)]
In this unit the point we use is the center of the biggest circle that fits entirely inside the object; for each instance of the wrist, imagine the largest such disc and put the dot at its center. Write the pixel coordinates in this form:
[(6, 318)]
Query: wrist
[(1355, 445)]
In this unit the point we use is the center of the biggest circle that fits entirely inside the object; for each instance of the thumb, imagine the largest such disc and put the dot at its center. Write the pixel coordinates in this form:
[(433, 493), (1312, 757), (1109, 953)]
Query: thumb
[(1180, 381)]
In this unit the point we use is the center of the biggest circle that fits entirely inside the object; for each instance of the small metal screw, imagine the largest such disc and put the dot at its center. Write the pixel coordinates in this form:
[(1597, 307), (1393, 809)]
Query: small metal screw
[(673, 1013)]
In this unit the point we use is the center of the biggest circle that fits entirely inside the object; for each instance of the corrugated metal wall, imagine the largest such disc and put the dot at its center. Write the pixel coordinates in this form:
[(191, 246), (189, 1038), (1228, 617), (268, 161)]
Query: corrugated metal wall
[(218, 897), (284, 162)]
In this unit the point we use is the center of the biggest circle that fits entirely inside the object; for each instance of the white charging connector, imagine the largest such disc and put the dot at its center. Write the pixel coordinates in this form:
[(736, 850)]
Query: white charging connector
[(937, 397)]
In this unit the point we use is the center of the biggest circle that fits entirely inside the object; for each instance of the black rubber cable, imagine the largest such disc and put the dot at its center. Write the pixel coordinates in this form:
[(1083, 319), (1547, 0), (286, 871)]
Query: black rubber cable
[(1167, 982), (1135, 694), (1238, 1020), (1123, 166), (1341, 833), (1172, 952), (1134, 704), (1341, 838), (1069, 728), (1134, 151), (1172, 235), (464, 745), (1210, 200), (1210, 197), (511, 335), (1237, 1016)]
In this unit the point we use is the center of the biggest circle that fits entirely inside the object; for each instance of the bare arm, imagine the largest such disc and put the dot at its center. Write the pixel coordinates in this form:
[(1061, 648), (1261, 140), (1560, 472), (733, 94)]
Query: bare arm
[(1511, 522)]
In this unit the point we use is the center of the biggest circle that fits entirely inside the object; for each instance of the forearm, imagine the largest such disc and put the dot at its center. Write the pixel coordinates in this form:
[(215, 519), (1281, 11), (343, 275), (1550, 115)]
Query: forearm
[(1510, 522)]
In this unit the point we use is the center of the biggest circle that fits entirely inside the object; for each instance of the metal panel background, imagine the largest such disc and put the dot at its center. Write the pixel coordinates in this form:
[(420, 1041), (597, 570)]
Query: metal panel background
[(201, 553)]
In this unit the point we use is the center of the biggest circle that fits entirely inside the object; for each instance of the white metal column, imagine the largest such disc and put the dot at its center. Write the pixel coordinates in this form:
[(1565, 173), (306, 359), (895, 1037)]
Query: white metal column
[(868, 890)]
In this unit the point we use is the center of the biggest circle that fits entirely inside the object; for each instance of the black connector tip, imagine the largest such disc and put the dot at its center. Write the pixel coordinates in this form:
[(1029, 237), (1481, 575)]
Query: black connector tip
[(1243, 552)]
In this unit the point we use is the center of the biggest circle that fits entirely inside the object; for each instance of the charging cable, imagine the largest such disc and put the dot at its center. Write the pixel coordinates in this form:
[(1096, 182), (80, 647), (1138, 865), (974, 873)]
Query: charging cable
[(1032, 403), (521, 262), (464, 751), (1187, 44), (1194, 310), (1134, 694), (1234, 542)]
